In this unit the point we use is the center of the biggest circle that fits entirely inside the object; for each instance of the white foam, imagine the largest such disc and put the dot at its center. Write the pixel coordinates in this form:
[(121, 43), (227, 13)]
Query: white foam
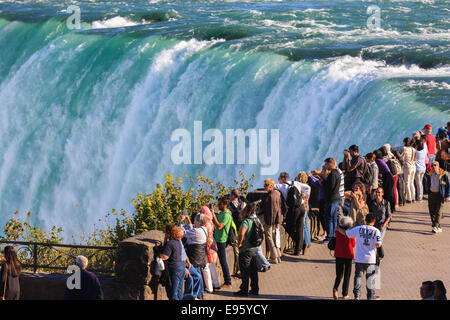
[(116, 22)]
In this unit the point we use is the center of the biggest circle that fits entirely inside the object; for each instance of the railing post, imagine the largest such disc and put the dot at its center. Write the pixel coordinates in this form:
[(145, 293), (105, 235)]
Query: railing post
[(35, 257)]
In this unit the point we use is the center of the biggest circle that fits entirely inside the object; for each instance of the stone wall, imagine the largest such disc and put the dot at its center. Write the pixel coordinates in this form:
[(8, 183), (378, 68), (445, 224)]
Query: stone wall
[(47, 286)]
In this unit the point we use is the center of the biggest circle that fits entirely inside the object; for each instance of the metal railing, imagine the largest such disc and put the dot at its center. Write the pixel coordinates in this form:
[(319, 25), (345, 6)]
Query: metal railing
[(30, 253)]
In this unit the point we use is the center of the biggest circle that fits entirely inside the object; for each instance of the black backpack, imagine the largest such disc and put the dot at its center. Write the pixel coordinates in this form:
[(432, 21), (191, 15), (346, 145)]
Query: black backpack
[(294, 196), (257, 236), (367, 173), (232, 235)]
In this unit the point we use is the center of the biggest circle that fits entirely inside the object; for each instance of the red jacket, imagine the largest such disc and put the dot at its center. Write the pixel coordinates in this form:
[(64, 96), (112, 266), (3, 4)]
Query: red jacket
[(344, 246)]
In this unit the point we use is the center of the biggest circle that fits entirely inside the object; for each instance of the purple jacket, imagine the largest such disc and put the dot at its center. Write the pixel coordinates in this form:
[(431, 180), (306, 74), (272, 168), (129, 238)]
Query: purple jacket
[(315, 182), (382, 166)]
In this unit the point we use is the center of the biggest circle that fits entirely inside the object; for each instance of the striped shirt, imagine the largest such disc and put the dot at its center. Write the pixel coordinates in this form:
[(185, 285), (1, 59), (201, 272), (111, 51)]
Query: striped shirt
[(341, 185)]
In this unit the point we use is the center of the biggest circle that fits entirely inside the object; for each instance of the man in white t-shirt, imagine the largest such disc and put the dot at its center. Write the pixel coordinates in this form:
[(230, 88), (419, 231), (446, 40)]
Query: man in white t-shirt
[(368, 239)]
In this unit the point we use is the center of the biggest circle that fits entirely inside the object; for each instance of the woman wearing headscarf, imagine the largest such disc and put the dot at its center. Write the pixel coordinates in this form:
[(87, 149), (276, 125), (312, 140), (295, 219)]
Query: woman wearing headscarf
[(209, 271), (9, 275)]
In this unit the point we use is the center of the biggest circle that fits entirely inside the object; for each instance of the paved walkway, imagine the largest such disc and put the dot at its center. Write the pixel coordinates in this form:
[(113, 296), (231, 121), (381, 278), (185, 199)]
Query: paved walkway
[(412, 255)]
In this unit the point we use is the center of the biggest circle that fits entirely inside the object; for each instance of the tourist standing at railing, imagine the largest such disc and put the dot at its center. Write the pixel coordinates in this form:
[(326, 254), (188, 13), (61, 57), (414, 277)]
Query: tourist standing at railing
[(237, 204), (387, 177), (196, 236), (9, 275), (178, 266), (332, 197), (355, 166), (400, 182), (90, 288), (409, 169), (373, 184), (431, 142), (210, 272), (421, 155), (222, 223), (272, 219)]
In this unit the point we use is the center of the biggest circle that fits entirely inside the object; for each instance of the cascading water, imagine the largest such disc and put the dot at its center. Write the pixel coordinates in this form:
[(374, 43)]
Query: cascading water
[(87, 115)]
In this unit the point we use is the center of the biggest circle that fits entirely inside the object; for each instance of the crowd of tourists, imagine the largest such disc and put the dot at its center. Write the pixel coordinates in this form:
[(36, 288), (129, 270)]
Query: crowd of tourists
[(347, 205)]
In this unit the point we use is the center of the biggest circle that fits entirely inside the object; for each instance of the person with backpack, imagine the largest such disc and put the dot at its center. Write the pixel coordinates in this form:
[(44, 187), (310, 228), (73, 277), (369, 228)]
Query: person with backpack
[(294, 194), (237, 204), (343, 252), (272, 219), (222, 223), (250, 237), (355, 166)]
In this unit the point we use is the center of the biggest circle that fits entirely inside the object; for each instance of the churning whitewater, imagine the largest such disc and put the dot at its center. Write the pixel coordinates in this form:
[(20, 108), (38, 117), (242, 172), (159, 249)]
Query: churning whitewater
[(87, 114)]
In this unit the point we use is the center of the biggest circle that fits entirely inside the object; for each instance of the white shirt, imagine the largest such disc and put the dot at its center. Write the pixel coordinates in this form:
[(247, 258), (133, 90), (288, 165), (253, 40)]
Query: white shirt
[(367, 238), (195, 235), (420, 160), (304, 189)]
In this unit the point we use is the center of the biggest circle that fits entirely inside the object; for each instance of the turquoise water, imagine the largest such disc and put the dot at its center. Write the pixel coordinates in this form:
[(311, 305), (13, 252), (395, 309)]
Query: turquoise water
[(87, 115)]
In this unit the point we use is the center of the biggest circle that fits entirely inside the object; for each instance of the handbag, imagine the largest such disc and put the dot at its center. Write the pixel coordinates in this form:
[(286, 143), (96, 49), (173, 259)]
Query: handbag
[(332, 243), (277, 238)]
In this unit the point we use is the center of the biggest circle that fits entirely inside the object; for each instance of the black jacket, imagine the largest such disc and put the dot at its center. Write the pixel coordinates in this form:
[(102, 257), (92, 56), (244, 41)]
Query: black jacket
[(331, 186), (90, 288)]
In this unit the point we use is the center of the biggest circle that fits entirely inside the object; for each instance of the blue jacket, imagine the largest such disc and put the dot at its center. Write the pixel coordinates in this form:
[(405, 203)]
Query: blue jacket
[(444, 187)]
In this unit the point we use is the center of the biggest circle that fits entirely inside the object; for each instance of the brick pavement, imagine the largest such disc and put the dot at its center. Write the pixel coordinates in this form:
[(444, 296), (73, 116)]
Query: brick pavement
[(412, 255)]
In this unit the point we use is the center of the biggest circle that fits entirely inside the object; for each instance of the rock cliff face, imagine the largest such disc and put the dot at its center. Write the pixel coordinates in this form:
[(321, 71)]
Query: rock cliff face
[(132, 271)]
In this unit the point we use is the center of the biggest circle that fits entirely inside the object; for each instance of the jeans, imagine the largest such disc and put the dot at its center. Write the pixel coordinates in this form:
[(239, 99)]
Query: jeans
[(221, 252), (383, 233), (369, 270), (419, 184), (331, 209), (401, 189), (249, 269), (343, 269), (175, 290), (261, 259), (194, 283)]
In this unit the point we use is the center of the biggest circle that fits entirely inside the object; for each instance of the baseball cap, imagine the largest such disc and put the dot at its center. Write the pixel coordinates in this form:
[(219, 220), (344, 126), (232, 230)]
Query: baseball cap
[(427, 127)]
